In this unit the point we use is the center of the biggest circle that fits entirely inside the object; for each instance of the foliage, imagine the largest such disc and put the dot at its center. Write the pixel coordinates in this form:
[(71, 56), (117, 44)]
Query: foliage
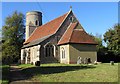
[(112, 38), (101, 49), (98, 39), (13, 36)]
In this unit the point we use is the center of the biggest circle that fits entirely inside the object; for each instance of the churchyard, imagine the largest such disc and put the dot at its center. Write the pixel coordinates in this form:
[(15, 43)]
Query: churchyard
[(71, 72)]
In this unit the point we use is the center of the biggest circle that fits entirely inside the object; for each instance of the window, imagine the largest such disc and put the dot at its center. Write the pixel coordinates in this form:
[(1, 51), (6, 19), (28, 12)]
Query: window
[(37, 23), (24, 54), (63, 52), (49, 50), (71, 19)]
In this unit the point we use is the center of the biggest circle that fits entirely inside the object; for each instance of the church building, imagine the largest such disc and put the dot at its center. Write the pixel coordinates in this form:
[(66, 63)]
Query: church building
[(61, 40)]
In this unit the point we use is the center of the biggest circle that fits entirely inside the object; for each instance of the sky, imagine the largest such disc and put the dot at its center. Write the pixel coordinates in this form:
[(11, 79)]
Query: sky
[(95, 17)]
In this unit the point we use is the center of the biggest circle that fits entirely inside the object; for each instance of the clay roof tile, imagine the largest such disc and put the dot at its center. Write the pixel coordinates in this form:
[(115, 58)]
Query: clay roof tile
[(73, 35)]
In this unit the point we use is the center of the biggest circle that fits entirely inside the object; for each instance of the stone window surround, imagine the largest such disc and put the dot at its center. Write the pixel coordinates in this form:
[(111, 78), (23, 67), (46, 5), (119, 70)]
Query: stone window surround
[(63, 52), (54, 49)]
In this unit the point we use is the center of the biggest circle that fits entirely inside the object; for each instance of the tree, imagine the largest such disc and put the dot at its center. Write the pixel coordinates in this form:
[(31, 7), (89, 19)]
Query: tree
[(101, 49), (112, 38), (99, 40), (13, 36)]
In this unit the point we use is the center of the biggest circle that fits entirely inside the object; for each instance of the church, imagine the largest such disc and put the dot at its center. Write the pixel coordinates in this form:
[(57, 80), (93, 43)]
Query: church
[(62, 40)]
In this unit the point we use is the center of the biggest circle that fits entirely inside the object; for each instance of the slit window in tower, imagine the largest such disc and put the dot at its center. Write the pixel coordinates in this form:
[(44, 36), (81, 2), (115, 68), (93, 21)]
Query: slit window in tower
[(36, 22)]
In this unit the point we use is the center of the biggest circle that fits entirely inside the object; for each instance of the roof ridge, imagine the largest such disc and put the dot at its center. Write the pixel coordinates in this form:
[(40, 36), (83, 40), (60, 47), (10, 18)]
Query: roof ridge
[(66, 14)]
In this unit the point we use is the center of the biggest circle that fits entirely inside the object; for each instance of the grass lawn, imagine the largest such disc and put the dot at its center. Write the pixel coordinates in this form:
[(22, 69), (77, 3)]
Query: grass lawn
[(71, 72), (5, 74)]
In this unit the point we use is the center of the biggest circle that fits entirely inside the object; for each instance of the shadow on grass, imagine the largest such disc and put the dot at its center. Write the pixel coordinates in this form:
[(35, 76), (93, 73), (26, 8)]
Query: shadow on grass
[(5, 73), (29, 72)]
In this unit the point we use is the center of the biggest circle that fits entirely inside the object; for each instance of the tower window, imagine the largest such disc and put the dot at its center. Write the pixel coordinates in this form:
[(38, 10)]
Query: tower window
[(36, 22)]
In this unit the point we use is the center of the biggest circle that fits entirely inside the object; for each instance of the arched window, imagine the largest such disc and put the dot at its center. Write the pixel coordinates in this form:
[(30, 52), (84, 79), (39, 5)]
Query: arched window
[(63, 53), (49, 50), (36, 22)]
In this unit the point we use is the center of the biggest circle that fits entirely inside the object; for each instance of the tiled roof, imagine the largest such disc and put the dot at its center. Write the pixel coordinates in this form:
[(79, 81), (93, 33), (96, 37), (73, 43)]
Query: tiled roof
[(36, 41), (73, 35), (46, 29)]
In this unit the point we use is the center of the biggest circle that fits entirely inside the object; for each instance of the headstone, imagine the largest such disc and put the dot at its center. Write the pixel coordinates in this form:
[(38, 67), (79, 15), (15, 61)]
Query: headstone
[(95, 63), (85, 61), (79, 61)]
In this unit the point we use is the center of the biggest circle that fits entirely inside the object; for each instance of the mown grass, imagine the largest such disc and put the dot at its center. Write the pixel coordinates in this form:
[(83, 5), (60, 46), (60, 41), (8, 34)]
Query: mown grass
[(5, 74), (23, 66), (72, 72)]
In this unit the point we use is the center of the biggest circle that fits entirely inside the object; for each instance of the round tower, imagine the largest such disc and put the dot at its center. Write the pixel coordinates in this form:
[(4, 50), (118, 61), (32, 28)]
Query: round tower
[(33, 20)]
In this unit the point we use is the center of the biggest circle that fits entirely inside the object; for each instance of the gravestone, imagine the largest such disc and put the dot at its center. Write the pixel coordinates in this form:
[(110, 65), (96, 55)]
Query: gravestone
[(79, 61), (95, 63), (85, 60)]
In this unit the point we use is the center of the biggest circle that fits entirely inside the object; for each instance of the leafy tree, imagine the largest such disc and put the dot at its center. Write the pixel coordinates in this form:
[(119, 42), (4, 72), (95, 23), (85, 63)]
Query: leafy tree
[(13, 36), (112, 38), (99, 40)]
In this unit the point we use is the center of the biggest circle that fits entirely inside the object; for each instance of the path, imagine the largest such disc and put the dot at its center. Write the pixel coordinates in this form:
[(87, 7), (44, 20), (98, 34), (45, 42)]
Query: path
[(16, 77)]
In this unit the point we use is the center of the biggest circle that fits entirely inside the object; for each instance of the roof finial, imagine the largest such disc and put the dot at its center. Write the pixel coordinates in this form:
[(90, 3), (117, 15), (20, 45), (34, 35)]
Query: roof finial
[(70, 7)]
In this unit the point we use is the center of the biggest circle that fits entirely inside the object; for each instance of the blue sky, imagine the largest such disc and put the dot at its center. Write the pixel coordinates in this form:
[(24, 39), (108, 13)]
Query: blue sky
[(95, 17)]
